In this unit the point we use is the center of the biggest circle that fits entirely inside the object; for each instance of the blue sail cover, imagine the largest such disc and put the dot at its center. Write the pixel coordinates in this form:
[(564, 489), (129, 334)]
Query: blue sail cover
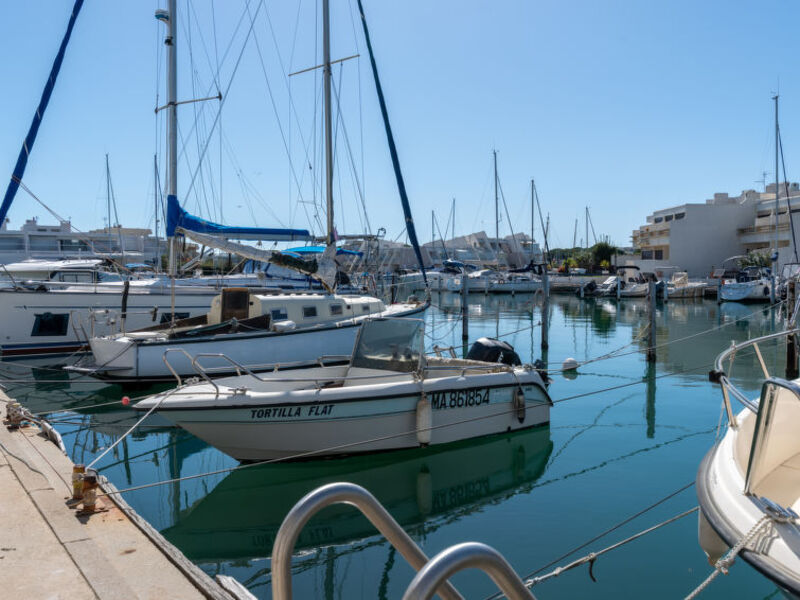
[(27, 145), (178, 217)]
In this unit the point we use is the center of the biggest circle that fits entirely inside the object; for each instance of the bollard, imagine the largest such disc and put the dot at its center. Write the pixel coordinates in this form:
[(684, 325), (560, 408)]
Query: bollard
[(14, 413), (651, 334), (619, 288), (545, 309), (77, 481), (89, 491)]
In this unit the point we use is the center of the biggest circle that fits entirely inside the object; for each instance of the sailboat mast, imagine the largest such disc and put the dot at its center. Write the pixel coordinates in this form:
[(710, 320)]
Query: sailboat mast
[(169, 17), (326, 70), (777, 194), (108, 202), (533, 214), (496, 206)]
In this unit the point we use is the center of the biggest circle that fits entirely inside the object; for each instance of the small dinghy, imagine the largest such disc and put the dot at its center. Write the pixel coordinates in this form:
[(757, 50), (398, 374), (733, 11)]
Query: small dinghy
[(748, 484), (389, 396)]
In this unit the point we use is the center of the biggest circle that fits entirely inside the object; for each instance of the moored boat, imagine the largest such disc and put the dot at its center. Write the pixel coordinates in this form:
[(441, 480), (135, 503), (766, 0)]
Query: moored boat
[(389, 396), (748, 484)]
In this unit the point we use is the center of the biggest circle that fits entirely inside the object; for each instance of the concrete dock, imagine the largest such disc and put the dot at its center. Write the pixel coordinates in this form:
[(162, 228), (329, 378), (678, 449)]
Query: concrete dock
[(49, 550)]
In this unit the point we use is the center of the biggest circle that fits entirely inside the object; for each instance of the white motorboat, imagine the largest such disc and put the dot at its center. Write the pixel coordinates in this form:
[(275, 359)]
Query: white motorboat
[(748, 483), (515, 283), (259, 331), (389, 396), (478, 282), (679, 286), (752, 285)]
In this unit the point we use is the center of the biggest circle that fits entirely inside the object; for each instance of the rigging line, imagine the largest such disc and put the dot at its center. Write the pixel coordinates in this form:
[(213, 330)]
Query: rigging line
[(591, 557), (601, 535), (227, 89), (788, 203), (275, 111), (360, 103), (286, 78), (505, 206), (352, 160)]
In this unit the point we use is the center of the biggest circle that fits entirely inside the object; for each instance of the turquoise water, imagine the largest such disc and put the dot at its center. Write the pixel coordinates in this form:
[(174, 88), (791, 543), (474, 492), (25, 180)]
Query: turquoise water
[(533, 495)]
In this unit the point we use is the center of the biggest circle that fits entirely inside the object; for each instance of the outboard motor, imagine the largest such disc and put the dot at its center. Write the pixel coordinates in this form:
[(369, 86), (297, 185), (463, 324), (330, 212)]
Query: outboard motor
[(589, 288), (493, 351)]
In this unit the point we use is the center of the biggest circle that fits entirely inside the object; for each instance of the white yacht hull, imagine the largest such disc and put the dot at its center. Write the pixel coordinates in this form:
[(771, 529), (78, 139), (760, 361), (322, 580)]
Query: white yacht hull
[(126, 357), (71, 324), (747, 291)]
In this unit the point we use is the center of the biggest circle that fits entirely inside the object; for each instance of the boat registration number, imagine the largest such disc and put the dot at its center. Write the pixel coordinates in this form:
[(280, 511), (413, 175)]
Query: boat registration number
[(460, 398)]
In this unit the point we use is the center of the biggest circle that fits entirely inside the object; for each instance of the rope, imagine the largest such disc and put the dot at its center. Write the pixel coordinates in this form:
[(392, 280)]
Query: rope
[(724, 563), (592, 556), (529, 576)]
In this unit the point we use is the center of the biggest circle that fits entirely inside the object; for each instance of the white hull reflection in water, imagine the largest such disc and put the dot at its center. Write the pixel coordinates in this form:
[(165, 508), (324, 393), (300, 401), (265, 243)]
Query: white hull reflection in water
[(390, 396), (422, 487)]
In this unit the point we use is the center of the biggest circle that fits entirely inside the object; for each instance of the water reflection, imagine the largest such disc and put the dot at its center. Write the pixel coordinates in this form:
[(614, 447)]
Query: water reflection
[(422, 489)]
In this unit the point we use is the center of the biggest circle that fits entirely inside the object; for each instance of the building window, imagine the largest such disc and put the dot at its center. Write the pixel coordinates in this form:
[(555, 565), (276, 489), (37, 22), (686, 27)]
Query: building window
[(668, 218), (309, 312), (658, 219), (279, 314), (659, 254), (679, 215), (647, 254), (166, 317), (50, 324), (336, 309)]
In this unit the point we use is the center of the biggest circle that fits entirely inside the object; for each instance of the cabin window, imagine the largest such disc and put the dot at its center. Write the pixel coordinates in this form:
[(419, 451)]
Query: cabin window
[(50, 324), (365, 308), (336, 309), (279, 314), (167, 317), (659, 254), (309, 312)]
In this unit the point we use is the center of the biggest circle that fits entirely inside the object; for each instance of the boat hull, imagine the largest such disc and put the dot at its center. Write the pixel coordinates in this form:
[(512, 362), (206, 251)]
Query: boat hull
[(368, 420), (749, 291)]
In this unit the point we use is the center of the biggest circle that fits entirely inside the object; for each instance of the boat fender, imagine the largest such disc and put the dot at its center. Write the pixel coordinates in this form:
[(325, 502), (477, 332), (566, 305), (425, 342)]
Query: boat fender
[(424, 420), (569, 364), (519, 403), (766, 291)]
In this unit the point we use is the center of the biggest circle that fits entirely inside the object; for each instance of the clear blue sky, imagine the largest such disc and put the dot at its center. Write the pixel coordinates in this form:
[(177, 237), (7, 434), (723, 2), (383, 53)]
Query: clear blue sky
[(625, 106)]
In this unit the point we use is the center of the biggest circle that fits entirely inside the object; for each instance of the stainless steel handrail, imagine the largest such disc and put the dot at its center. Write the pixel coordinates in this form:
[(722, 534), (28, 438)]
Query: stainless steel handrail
[(197, 370), (470, 555), (354, 495), (728, 388)]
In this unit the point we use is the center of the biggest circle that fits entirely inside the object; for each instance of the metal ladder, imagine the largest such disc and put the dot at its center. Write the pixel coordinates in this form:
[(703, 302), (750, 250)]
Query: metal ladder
[(432, 574)]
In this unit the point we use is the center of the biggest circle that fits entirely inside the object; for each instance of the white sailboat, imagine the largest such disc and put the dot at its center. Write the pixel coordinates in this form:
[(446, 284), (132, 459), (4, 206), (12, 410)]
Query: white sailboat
[(389, 396)]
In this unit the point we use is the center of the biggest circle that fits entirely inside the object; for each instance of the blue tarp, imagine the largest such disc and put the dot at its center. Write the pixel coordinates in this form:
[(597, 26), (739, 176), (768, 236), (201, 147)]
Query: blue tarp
[(178, 217), (320, 250)]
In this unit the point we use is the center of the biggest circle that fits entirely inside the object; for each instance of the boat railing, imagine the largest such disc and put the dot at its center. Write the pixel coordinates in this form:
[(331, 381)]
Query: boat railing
[(432, 575), (723, 377)]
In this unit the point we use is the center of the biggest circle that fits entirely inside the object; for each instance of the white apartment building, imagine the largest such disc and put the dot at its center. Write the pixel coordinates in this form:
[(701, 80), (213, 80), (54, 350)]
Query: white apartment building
[(699, 237)]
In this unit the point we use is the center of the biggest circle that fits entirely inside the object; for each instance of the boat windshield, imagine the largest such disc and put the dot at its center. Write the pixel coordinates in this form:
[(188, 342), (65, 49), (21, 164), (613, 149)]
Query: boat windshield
[(389, 344)]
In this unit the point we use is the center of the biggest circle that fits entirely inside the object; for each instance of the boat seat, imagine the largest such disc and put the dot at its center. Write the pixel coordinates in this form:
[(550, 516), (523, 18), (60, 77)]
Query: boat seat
[(782, 485)]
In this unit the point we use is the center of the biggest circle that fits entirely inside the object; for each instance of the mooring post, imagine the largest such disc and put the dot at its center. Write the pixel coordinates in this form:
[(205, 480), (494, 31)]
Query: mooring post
[(619, 288), (719, 290), (545, 309), (393, 291), (464, 307), (651, 334), (791, 342)]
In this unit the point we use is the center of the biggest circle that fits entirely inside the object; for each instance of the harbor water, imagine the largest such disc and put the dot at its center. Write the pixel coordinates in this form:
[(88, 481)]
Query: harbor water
[(624, 434)]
